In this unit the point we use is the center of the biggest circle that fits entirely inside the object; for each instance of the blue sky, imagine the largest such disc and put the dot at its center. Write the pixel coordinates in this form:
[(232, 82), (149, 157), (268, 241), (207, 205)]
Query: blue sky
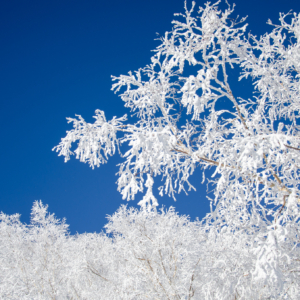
[(56, 60)]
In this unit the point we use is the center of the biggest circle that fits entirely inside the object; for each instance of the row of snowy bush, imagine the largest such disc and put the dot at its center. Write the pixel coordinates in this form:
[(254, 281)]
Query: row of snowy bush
[(143, 255)]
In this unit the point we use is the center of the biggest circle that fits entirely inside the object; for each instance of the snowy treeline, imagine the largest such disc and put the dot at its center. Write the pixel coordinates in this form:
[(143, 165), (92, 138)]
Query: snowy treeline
[(141, 255)]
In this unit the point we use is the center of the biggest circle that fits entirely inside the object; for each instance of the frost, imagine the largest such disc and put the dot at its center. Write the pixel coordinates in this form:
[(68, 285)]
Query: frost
[(145, 203)]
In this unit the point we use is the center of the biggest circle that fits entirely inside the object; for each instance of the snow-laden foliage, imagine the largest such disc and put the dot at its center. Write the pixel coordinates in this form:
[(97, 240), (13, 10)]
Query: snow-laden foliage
[(142, 255), (188, 113), (252, 144)]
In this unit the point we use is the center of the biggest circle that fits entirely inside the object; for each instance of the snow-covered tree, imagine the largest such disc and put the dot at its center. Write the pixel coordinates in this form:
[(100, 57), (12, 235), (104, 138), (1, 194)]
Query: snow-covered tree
[(252, 144)]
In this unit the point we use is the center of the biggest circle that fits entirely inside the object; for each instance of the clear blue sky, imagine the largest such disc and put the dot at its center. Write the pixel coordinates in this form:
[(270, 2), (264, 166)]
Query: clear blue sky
[(56, 60)]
